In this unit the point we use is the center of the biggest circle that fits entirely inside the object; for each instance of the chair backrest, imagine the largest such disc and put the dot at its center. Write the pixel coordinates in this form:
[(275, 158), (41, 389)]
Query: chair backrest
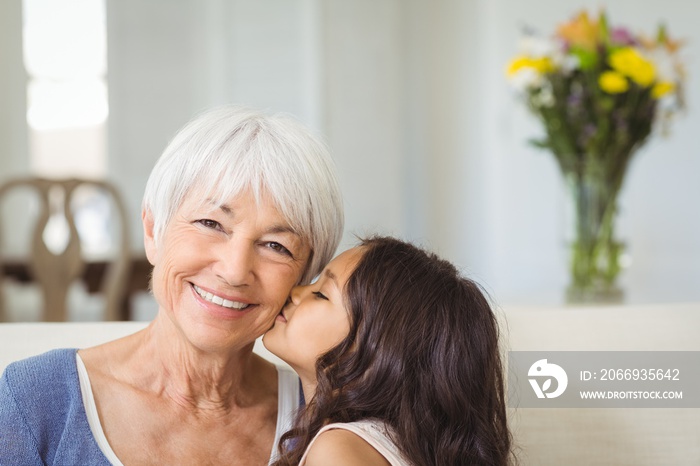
[(55, 269)]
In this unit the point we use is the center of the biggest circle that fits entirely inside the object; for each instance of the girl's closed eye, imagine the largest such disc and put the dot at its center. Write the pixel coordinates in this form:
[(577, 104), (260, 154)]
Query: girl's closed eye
[(320, 295)]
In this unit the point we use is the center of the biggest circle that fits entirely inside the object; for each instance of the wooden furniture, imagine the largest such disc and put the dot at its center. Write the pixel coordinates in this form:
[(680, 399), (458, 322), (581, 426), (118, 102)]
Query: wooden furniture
[(54, 270), (137, 280)]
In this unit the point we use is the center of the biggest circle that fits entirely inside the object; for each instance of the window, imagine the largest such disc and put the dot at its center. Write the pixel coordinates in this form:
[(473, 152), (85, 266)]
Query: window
[(65, 54)]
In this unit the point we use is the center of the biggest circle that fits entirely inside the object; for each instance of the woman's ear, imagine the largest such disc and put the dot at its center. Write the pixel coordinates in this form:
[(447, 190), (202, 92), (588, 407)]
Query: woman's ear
[(149, 241)]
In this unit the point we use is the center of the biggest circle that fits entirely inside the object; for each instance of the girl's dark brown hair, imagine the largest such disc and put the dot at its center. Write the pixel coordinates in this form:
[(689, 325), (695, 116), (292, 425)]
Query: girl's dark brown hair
[(422, 355)]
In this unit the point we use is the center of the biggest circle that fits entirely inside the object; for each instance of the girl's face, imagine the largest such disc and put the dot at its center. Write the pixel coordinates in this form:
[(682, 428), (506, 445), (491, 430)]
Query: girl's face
[(315, 319)]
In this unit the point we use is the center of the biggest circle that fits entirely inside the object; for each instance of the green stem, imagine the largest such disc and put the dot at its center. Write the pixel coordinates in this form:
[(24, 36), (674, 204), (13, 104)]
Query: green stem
[(595, 253)]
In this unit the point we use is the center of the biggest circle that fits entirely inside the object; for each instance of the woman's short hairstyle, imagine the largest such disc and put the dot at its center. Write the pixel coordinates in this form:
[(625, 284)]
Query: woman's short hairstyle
[(229, 150)]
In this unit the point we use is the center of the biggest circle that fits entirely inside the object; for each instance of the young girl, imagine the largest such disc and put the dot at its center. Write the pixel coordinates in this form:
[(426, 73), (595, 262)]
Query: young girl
[(399, 363)]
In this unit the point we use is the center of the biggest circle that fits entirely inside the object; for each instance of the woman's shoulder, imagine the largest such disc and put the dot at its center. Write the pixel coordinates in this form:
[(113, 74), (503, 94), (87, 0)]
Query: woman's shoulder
[(367, 442), (42, 377), (49, 367), (41, 406), (40, 384)]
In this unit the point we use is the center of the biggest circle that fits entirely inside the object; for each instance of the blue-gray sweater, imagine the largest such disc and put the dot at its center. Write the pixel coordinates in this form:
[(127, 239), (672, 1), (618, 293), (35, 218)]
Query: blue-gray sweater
[(42, 416)]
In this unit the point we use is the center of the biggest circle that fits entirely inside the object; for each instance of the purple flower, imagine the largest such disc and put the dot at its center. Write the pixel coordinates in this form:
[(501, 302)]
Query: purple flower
[(621, 36), (564, 45)]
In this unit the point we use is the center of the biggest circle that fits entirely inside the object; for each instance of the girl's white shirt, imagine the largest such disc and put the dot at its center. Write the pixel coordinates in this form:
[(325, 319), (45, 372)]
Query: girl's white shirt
[(372, 431)]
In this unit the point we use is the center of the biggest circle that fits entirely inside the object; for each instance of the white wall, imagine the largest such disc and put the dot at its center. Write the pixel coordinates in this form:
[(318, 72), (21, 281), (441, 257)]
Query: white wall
[(13, 121), (152, 81), (363, 90), (170, 60), (13, 94)]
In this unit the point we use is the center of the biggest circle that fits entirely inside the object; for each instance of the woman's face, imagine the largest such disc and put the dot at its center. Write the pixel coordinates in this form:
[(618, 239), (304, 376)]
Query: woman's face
[(223, 272), (315, 318)]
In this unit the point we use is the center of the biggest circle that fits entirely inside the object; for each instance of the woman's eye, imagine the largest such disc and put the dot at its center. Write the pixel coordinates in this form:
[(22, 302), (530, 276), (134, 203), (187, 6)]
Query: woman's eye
[(208, 223), (277, 247), (320, 295)]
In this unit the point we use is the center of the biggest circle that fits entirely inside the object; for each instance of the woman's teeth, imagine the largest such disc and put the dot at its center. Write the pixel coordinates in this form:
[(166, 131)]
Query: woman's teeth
[(212, 298)]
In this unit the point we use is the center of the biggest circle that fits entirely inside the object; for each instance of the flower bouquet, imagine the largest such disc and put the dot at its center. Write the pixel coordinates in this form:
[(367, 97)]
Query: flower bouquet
[(598, 91)]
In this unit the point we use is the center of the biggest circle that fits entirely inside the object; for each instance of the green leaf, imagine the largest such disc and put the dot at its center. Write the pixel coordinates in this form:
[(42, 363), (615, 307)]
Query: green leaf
[(603, 30), (539, 143), (588, 59), (661, 35)]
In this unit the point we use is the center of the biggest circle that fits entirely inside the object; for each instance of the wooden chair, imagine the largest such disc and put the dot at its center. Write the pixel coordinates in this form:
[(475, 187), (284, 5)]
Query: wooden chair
[(55, 271)]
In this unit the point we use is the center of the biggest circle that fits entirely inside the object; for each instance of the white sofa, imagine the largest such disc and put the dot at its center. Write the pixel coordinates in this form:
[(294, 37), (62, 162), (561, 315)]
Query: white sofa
[(20, 340), (576, 436), (544, 436)]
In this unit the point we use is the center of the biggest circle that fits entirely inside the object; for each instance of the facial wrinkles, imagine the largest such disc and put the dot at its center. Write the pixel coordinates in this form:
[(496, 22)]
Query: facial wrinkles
[(249, 230), (171, 275), (254, 227), (275, 271)]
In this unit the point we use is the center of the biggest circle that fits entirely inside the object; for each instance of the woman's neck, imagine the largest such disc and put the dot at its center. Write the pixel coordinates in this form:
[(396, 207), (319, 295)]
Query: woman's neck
[(208, 381)]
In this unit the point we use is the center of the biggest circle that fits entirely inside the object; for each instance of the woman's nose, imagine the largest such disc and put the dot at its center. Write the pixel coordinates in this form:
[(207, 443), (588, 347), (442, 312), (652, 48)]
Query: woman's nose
[(296, 294), (236, 263)]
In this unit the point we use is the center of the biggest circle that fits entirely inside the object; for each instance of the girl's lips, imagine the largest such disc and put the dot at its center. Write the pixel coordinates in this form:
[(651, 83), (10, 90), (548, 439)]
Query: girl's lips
[(281, 318)]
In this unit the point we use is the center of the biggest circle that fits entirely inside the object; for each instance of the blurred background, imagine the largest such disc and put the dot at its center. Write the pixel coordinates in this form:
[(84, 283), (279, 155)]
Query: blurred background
[(429, 139)]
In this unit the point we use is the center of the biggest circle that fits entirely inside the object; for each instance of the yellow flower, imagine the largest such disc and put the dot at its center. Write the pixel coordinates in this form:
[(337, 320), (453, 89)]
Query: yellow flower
[(630, 63), (541, 65), (662, 88), (613, 82)]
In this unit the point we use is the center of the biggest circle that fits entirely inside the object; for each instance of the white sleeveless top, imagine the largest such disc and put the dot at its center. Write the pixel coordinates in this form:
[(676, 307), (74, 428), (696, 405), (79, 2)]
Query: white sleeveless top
[(287, 404), (372, 431)]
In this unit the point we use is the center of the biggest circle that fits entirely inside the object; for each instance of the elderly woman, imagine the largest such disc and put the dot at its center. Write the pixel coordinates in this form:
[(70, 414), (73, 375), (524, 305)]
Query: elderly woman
[(240, 208)]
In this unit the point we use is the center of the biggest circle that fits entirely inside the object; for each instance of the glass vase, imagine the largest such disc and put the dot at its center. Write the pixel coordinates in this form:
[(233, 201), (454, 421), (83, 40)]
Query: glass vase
[(595, 253)]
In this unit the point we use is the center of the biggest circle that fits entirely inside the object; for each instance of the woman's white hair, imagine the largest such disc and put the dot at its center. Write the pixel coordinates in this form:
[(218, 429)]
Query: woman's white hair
[(228, 150)]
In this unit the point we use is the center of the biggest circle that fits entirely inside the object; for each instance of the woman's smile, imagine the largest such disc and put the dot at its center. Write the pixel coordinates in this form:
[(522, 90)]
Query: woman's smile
[(220, 307), (220, 300)]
